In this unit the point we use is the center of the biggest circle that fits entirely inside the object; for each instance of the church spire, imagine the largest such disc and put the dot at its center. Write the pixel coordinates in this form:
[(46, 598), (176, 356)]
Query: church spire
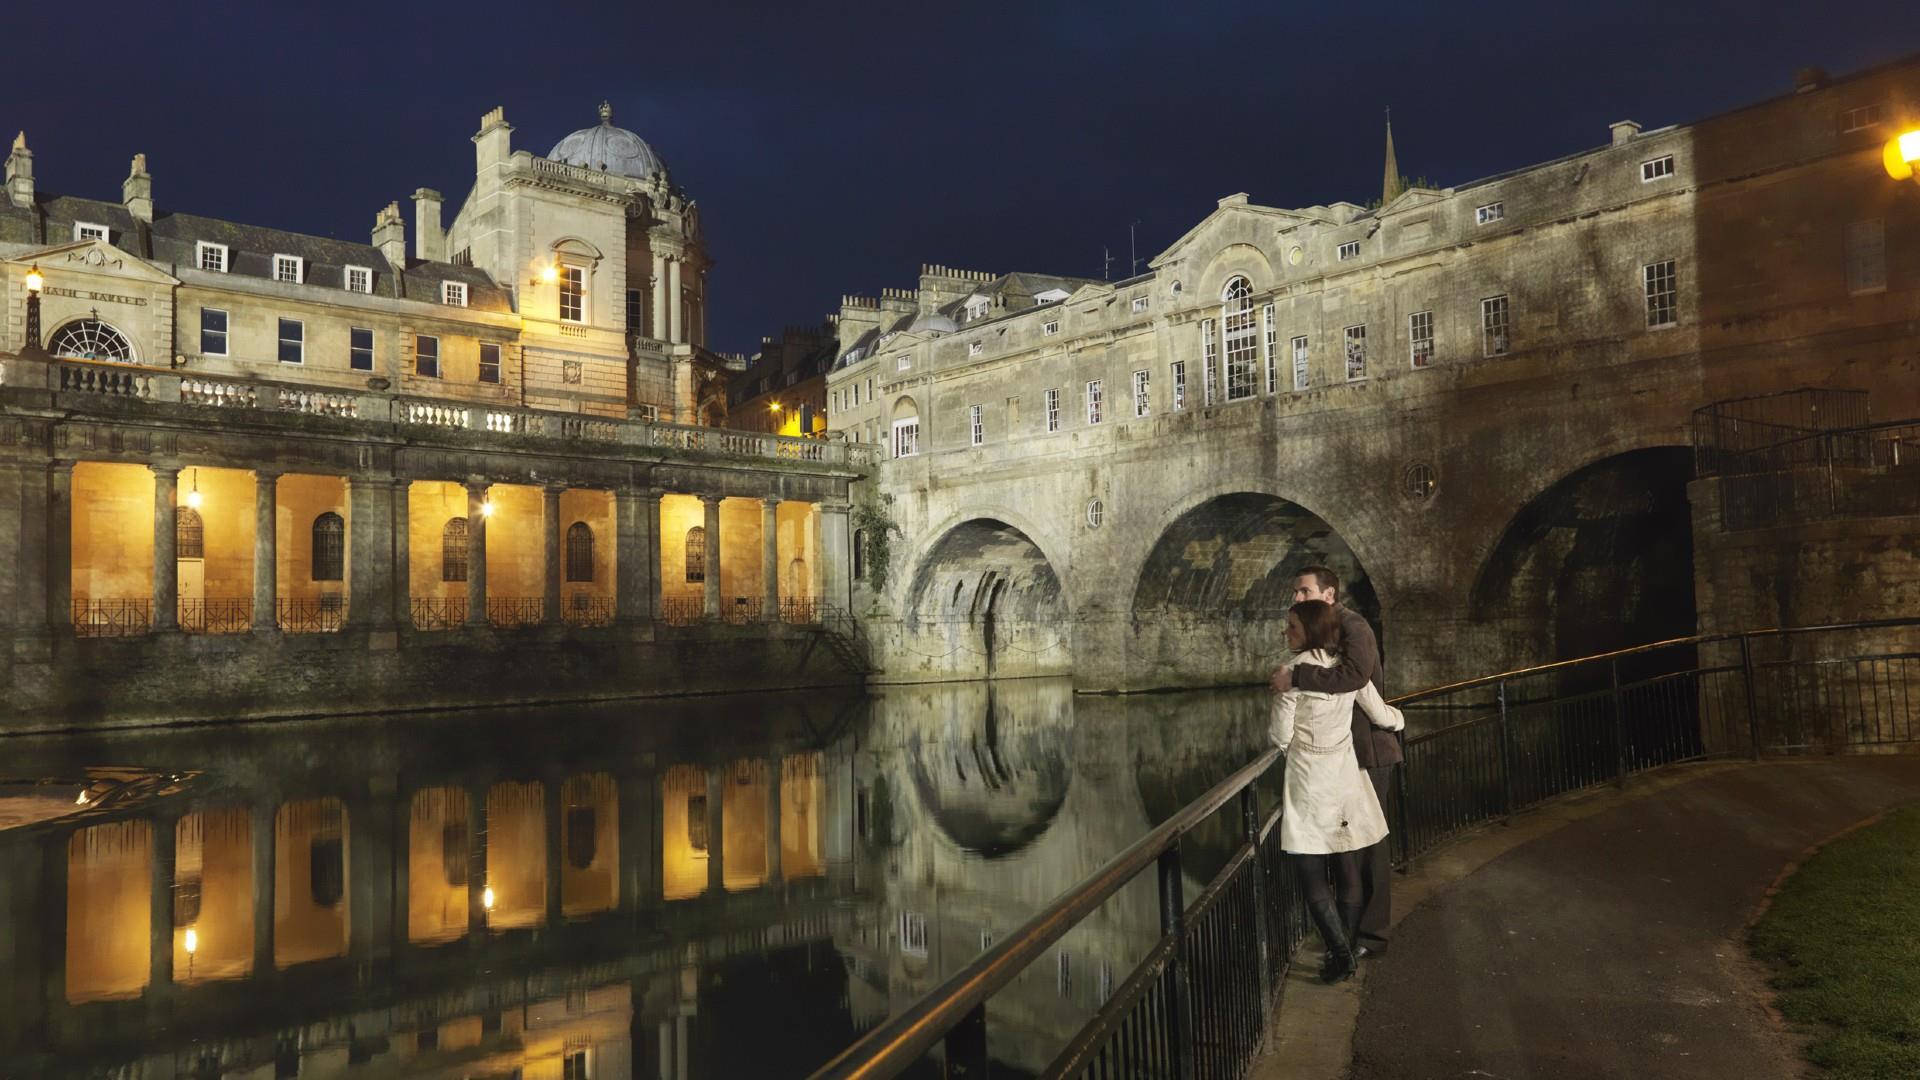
[(1391, 185)]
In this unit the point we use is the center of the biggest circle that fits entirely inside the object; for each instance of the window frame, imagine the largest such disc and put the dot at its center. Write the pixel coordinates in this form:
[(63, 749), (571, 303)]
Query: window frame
[(453, 560), (354, 351), (906, 437), (82, 230), (298, 264), (903, 361), (1347, 251), (636, 312), (1489, 306), (572, 279), (346, 279), (328, 552), (495, 366), (1270, 346), (1490, 213), (1864, 254), (1416, 322), (1050, 327), (226, 326), (451, 289), (975, 348), (1657, 168), (1355, 372), (1142, 393), (1302, 357), (1096, 401), (976, 425), (1239, 340), (1052, 399), (1140, 304), (1209, 357), (694, 562), (579, 554), (419, 353), (1861, 117), (1178, 371), (1667, 298), (299, 340), (203, 248)]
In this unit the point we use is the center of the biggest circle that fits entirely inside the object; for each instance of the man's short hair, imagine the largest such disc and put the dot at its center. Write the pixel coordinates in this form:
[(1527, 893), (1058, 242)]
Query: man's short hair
[(1325, 576)]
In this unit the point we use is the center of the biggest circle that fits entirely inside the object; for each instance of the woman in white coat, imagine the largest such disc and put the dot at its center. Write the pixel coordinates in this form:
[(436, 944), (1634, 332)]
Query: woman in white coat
[(1329, 811)]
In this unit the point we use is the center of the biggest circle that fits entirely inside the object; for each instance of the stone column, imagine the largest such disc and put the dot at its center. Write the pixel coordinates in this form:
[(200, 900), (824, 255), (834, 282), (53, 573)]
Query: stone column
[(45, 555), (477, 552), (266, 550), (160, 923), (263, 859), (673, 302), (551, 519), (775, 871), (658, 538), (836, 583), (716, 824), (166, 562), (556, 823), (639, 862), (371, 571), (399, 541), (712, 505), (659, 327), (770, 559), (635, 516), (476, 860)]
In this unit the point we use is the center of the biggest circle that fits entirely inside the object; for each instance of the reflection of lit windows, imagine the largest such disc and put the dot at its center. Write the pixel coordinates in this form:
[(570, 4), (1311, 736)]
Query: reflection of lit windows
[(913, 933), (986, 940), (581, 836), (862, 813), (453, 853), (1063, 973), (574, 1066), (697, 823)]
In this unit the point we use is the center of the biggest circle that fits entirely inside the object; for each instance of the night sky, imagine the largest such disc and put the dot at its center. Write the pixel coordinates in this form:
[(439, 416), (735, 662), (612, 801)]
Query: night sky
[(834, 149)]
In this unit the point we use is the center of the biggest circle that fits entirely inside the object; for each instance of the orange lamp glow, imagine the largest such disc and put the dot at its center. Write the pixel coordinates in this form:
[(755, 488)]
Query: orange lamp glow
[(773, 406), (550, 274), (34, 279), (192, 941), (1900, 154)]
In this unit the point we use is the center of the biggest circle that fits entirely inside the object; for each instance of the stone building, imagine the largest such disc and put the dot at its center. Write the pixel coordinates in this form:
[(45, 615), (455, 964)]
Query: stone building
[(251, 434), (783, 388), (1474, 402)]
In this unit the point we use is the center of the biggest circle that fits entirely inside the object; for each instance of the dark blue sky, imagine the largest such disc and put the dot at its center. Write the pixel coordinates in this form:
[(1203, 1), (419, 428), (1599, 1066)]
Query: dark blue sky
[(834, 148)]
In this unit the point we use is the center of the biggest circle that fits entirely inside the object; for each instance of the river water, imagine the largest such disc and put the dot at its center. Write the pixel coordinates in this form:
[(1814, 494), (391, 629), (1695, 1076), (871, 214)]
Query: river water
[(712, 887)]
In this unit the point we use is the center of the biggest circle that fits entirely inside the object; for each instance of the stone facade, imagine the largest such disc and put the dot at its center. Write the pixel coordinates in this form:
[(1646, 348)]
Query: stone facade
[(783, 389), (1473, 402)]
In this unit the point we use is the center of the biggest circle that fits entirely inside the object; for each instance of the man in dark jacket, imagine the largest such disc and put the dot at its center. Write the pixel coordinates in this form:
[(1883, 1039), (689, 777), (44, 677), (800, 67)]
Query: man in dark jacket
[(1377, 750)]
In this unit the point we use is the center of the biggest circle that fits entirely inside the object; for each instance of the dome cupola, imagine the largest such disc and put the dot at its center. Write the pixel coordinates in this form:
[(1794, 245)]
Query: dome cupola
[(610, 149)]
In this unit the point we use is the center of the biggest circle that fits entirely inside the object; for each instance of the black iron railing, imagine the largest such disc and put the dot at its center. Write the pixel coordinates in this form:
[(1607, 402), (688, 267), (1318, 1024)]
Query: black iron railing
[(112, 618), (320, 615), (741, 610), (216, 615), (1865, 471), (584, 610), (509, 612), (1725, 432), (438, 612), (799, 609), (1199, 1001), (682, 610)]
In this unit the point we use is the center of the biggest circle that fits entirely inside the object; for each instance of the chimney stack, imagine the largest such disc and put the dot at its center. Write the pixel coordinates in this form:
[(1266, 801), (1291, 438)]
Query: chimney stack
[(493, 143), (1624, 131), (136, 191), (20, 173), (429, 242), (390, 236)]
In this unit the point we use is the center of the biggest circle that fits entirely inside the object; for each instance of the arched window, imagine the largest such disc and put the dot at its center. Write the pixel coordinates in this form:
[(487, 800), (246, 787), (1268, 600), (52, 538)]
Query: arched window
[(1241, 337), (329, 547), (579, 552), (453, 550), (697, 553), (90, 339), (189, 534)]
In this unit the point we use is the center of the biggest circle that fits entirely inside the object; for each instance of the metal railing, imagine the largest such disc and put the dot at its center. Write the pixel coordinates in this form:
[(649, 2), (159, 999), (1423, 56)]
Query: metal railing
[(1199, 1002), (584, 610), (511, 612), (216, 615), (438, 612), (112, 618), (1851, 472), (323, 615), (682, 610), (1725, 431), (799, 609), (741, 610)]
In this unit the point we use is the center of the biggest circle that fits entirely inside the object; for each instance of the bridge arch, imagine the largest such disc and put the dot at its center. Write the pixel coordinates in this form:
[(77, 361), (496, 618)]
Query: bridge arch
[(984, 599)]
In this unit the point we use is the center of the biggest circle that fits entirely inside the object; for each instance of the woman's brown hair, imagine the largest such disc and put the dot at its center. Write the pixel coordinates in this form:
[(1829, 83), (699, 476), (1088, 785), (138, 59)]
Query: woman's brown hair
[(1318, 624)]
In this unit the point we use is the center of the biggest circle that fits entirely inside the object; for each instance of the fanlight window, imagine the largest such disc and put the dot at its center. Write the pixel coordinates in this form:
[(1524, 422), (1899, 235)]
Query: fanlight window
[(329, 547), (189, 534), (1242, 348), (91, 339), (453, 550), (697, 553), (579, 552)]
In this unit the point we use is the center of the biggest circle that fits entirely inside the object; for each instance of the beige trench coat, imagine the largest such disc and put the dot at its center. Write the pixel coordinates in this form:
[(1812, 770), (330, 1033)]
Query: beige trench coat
[(1329, 805)]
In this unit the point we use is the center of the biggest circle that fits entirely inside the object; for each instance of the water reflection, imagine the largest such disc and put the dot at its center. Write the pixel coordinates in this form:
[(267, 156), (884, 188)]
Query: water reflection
[(727, 887)]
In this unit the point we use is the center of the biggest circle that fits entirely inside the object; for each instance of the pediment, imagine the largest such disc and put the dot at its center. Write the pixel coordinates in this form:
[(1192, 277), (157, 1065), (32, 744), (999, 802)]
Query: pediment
[(95, 258), (1230, 213), (1412, 199)]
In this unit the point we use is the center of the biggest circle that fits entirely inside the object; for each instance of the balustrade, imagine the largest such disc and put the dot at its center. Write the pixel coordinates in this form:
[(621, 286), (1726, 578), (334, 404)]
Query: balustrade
[(112, 618), (584, 610), (323, 615), (741, 610), (216, 614), (104, 380), (318, 403), (438, 612), (508, 612), (218, 395), (799, 609), (435, 414), (682, 610)]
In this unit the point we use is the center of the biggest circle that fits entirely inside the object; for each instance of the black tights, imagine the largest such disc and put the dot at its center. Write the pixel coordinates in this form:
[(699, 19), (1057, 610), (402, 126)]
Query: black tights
[(1343, 867)]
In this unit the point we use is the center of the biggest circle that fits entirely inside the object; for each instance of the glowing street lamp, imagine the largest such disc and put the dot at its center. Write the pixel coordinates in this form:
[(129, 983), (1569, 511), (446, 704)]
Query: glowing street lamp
[(549, 274), (1900, 154), (193, 497), (773, 406), (192, 944), (35, 282), (486, 510)]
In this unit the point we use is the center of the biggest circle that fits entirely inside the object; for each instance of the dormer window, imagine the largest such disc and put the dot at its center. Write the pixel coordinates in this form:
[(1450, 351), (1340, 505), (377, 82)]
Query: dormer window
[(453, 293), (976, 308), (358, 279), (904, 362), (87, 230), (289, 268), (211, 257), (1051, 296)]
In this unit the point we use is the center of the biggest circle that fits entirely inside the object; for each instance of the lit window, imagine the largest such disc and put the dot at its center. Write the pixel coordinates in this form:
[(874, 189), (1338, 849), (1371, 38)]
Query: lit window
[(189, 533), (211, 257), (453, 293), (1300, 377), (1270, 344), (1657, 169), (1349, 250), (358, 279), (1242, 337), (329, 547), (1490, 213), (1053, 409), (579, 552), (1493, 326), (904, 362), (1142, 403), (289, 268), (489, 362), (87, 230), (1420, 337), (213, 332), (360, 349), (906, 437), (1095, 397), (1356, 353), (1861, 118), (426, 357), (1663, 293), (90, 339), (976, 426), (1866, 256), (1139, 304), (293, 341), (1179, 385), (453, 550), (1209, 357), (697, 553), (974, 348), (573, 294)]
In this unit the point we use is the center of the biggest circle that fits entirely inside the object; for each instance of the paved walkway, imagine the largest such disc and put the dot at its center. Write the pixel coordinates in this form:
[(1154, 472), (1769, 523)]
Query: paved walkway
[(1596, 937)]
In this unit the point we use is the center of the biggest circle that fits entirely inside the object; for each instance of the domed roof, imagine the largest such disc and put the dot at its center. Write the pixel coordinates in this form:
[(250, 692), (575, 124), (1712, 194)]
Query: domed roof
[(934, 323), (606, 148)]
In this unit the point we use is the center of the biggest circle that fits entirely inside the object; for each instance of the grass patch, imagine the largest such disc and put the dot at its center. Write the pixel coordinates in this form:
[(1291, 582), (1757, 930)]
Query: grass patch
[(1844, 938)]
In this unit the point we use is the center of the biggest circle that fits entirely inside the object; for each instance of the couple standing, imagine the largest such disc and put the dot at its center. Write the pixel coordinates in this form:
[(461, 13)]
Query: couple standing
[(1331, 721)]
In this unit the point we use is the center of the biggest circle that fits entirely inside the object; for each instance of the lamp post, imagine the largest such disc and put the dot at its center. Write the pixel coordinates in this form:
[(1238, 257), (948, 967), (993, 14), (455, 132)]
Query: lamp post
[(1900, 154), (35, 282)]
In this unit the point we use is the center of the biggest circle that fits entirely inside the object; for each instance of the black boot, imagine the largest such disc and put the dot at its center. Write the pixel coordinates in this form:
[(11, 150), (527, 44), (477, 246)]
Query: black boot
[(1327, 918)]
